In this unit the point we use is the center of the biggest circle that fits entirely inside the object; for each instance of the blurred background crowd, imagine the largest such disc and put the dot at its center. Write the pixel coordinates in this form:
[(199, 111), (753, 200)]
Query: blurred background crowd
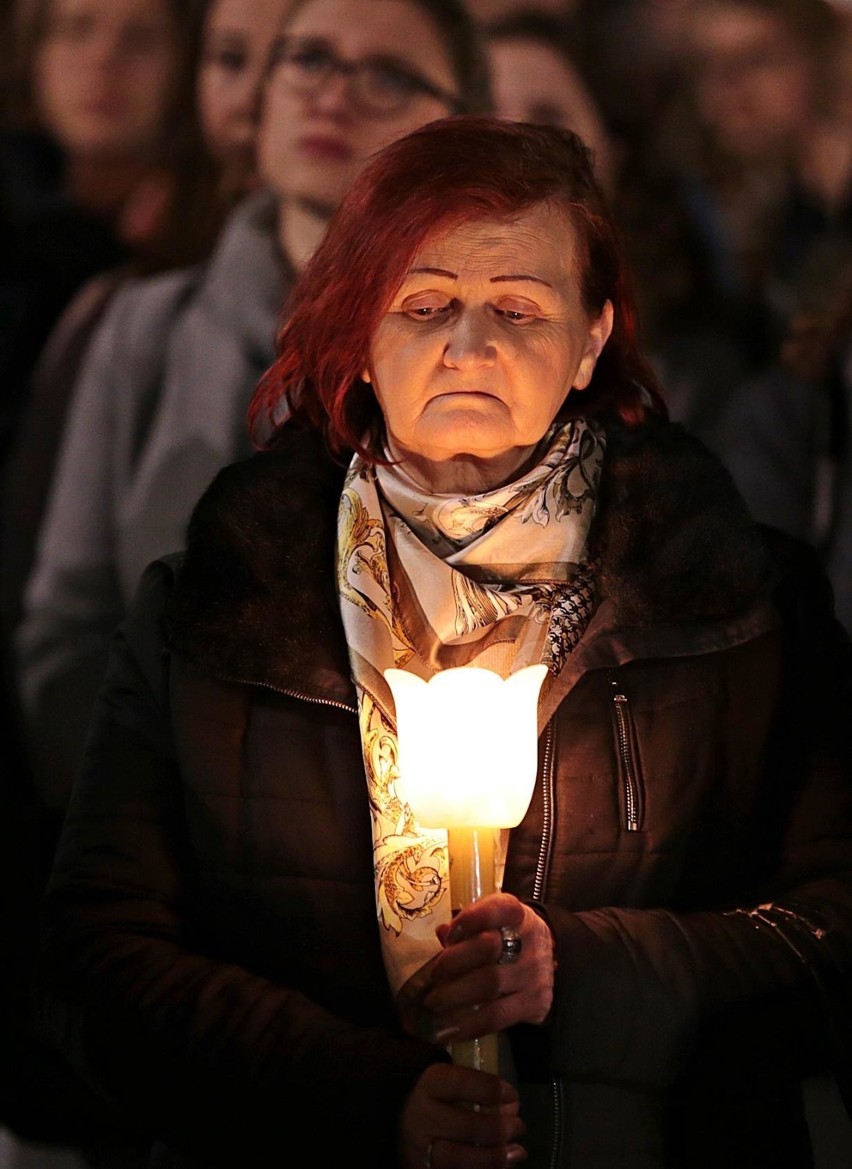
[(166, 167)]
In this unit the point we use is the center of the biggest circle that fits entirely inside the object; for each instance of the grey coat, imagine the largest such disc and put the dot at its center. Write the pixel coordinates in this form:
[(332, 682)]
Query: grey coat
[(159, 408)]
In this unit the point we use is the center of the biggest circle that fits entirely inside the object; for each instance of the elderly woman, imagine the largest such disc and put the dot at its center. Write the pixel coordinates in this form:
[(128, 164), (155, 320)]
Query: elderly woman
[(248, 939)]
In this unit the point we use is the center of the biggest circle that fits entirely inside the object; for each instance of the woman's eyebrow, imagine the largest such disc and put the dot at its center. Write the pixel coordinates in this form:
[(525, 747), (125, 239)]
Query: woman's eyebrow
[(519, 276), (433, 272), (509, 279)]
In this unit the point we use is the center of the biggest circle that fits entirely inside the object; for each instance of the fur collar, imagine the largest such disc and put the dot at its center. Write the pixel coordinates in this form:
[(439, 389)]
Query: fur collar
[(256, 594)]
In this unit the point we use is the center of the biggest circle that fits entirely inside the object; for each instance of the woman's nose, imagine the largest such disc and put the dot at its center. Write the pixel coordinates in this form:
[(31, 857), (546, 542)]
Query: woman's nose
[(333, 96), (470, 345), (104, 50), (248, 102)]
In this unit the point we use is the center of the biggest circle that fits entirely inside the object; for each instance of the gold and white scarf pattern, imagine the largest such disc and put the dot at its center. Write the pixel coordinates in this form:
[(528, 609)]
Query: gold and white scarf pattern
[(498, 580)]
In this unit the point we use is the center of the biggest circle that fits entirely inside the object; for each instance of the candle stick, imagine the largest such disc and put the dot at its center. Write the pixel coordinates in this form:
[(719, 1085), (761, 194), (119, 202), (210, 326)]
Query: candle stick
[(472, 875), (468, 758)]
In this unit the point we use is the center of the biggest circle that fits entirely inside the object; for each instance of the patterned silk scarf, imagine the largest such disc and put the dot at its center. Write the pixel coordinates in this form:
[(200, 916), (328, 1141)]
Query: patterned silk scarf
[(426, 582)]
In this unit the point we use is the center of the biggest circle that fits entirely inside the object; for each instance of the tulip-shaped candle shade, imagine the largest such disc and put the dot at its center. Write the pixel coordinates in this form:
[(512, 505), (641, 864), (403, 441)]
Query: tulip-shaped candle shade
[(468, 756)]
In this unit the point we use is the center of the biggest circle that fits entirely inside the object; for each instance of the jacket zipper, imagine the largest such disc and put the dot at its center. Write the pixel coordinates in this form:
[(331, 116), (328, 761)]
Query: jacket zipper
[(542, 867), (628, 767), (542, 870), (334, 703), (558, 1109)]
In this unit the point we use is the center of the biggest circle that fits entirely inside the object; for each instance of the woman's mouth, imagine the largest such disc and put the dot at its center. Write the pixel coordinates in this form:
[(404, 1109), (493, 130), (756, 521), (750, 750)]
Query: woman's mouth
[(325, 148)]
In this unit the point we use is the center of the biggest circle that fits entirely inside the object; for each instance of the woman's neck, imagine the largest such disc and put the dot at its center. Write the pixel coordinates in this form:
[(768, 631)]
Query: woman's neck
[(466, 474), (102, 185), (301, 226)]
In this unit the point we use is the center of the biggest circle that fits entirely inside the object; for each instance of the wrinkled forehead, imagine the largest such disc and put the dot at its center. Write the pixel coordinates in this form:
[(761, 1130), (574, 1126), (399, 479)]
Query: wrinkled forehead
[(540, 245), (542, 236)]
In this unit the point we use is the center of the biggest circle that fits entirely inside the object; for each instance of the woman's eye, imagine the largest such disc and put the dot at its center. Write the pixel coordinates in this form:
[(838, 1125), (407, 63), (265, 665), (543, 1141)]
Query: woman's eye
[(310, 61), (516, 315), (70, 26), (425, 310), (385, 79), (231, 60)]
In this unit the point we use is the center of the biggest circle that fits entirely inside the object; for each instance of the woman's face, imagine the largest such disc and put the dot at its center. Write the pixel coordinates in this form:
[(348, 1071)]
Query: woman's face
[(312, 145), (105, 75), (483, 341), (754, 84), (238, 37), (532, 82)]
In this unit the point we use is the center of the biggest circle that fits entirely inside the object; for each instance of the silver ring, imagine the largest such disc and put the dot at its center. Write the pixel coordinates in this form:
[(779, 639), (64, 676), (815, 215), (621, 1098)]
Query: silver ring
[(511, 945), (427, 1156)]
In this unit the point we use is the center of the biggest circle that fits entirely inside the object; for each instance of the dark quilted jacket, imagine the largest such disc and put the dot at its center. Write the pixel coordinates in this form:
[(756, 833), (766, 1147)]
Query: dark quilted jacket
[(211, 953)]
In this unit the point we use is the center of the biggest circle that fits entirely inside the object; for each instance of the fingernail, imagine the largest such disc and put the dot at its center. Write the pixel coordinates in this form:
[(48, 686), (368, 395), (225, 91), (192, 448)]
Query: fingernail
[(446, 1035), (515, 1154)]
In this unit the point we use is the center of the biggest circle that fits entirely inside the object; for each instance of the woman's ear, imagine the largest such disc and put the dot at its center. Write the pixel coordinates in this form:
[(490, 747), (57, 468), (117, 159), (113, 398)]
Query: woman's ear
[(599, 331)]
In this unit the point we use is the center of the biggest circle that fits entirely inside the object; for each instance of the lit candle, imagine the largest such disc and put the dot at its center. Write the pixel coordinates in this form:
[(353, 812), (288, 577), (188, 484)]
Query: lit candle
[(468, 757)]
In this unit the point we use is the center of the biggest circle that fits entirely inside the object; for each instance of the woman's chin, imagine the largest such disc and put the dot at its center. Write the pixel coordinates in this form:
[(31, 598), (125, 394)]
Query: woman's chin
[(466, 471)]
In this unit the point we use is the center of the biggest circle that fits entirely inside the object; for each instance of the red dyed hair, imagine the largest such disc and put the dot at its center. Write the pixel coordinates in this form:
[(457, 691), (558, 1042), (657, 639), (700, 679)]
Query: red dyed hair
[(442, 174)]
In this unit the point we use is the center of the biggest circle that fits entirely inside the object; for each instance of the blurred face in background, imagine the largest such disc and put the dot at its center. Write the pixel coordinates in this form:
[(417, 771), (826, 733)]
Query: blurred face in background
[(105, 75), (238, 37), (352, 76), (755, 85), (533, 82)]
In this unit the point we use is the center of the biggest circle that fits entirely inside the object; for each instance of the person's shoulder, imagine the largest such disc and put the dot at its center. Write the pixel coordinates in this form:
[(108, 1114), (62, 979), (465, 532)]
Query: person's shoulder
[(259, 553), (277, 505), (157, 294), (673, 532), (296, 475), (662, 455), (140, 316)]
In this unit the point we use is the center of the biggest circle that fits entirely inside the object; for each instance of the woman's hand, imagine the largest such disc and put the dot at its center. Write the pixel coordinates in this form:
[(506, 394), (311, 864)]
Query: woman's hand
[(460, 1118), (471, 993)]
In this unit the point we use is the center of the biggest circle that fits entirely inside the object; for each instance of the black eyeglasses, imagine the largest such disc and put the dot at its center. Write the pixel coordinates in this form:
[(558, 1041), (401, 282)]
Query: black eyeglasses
[(381, 86)]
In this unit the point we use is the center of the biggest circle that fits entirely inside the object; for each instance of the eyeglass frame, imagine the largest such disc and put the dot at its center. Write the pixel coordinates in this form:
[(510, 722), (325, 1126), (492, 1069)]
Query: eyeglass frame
[(352, 70)]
